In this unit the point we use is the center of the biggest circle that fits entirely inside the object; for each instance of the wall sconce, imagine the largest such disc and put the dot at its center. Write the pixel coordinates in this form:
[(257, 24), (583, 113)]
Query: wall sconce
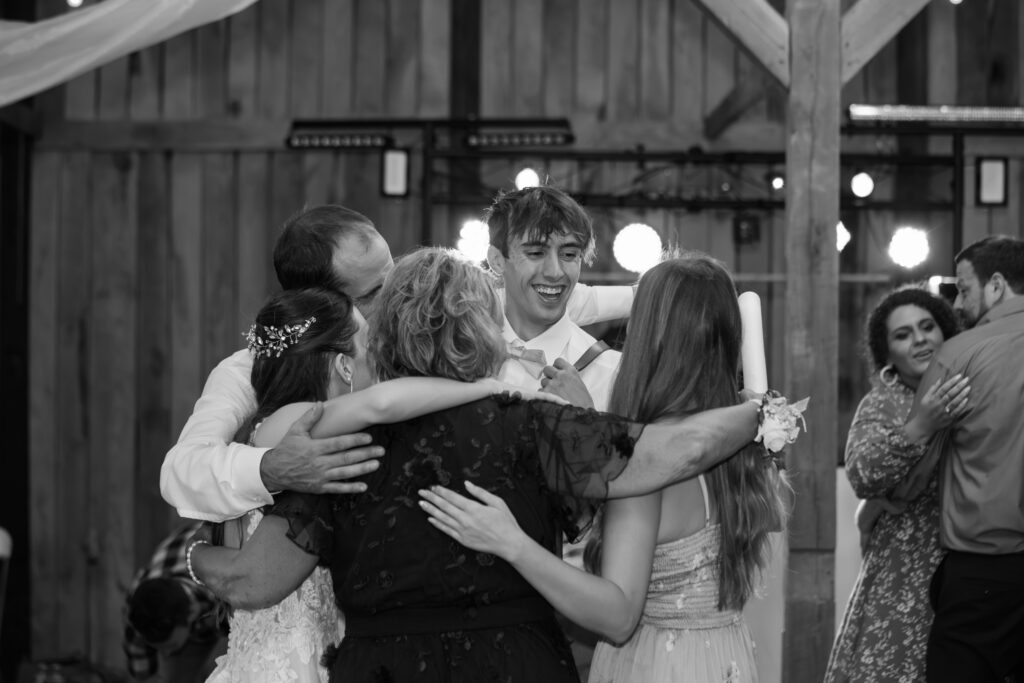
[(990, 181), (394, 172)]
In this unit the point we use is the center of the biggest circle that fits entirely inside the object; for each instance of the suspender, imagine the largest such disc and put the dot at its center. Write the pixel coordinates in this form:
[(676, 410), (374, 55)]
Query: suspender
[(588, 357)]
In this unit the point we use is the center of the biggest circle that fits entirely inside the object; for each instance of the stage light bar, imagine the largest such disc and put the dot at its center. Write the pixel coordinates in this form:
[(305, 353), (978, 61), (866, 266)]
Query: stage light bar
[(905, 113), (520, 139), (328, 140)]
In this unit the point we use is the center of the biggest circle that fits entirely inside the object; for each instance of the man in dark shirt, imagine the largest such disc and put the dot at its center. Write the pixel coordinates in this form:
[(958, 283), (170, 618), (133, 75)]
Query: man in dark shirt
[(978, 589)]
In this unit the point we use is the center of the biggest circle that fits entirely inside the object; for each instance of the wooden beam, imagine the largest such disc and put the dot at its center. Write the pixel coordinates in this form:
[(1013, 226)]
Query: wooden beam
[(742, 97), (758, 29), (869, 25), (205, 135), (812, 331)]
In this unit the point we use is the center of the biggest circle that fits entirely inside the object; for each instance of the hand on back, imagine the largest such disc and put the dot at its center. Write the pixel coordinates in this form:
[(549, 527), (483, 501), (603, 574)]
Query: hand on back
[(302, 463)]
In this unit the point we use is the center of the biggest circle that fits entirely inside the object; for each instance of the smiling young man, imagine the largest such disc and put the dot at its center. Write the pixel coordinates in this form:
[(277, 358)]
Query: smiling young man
[(540, 240)]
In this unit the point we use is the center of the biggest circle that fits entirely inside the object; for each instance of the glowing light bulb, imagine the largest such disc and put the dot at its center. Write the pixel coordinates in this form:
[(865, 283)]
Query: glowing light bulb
[(778, 182), (75, 3), (909, 247), (474, 238), (637, 247), (842, 236), (862, 184), (527, 178)]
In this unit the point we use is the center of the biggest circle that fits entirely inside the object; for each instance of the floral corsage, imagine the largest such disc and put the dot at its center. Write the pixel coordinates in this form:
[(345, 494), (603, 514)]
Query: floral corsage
[(779, 423)]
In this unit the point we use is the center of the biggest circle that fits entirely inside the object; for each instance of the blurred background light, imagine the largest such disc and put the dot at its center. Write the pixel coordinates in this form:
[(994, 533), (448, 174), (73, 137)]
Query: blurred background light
[(474, 238), (862, 184), (909, 247), (842, 236), (637, 247), (527, 178)]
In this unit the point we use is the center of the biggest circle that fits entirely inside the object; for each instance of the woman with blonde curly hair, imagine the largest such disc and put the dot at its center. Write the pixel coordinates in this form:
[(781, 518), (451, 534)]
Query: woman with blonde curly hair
[(671, 570), (417, 605)]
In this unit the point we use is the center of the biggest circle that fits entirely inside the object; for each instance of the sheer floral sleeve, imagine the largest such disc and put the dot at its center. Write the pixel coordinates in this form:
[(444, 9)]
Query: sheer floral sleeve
[(579, 451), (310, 524), (878, 455)]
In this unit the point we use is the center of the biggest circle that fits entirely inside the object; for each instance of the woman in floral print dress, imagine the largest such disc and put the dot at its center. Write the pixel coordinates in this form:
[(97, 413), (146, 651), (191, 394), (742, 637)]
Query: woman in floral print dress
[(885, 627)]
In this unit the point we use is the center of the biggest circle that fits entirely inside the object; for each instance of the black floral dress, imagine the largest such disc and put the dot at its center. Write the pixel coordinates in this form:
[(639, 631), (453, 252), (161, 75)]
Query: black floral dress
[(419, 606)]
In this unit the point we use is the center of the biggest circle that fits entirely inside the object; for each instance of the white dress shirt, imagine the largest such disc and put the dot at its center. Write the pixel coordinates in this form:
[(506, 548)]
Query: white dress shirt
[(207, 476), (565, 340)]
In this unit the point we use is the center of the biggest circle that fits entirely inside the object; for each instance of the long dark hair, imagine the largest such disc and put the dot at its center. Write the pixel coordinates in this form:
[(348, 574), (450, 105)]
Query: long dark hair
[(302, 370), (681, 356)]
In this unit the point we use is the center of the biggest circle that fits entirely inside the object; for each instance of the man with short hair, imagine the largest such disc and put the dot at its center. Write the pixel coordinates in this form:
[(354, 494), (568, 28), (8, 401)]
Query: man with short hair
[(172, 626), (540, 239), (978, 589), (207, 476)]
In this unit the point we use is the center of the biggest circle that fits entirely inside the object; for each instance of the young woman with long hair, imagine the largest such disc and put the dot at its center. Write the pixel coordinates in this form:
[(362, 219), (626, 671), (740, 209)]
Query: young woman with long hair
[(673, 569)]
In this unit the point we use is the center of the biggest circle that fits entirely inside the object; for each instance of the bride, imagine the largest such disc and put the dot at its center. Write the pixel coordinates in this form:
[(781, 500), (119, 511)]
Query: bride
[(310, 345)]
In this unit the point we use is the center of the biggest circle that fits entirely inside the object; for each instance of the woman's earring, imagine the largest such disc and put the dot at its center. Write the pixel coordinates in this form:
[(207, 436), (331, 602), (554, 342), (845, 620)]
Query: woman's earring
[(889, 380)]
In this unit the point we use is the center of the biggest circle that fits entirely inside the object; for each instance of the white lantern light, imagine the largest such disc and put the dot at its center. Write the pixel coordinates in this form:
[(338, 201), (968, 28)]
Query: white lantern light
[(637, 247), (474, 238), (908, 247)]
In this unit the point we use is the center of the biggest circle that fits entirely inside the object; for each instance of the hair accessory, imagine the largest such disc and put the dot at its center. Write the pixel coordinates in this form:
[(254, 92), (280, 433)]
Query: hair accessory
[(188, 560), (889, 380), (272, 341), (778, 423)]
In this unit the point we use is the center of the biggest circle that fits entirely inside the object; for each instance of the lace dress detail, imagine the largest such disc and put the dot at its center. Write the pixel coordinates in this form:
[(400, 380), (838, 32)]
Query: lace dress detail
[(418, 605), (682, 635), (283, 643)]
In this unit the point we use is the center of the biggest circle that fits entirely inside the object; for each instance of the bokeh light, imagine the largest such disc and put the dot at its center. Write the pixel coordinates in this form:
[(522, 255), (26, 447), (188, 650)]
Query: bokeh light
[(637, 247)]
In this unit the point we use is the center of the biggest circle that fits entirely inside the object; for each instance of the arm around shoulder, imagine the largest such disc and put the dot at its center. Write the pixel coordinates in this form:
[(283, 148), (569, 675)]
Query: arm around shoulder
[(672, 451), (205, 475)]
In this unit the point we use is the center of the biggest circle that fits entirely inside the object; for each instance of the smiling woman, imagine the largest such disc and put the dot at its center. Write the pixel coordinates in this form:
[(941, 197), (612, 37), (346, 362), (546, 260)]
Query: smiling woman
[(885, 626)]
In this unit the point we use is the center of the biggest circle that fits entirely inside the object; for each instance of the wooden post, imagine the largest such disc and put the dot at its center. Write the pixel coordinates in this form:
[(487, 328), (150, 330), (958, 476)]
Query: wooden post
[(812, 299)]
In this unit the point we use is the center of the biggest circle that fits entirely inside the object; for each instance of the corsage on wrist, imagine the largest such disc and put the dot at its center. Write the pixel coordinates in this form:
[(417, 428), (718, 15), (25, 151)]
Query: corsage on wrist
[(778, 423)]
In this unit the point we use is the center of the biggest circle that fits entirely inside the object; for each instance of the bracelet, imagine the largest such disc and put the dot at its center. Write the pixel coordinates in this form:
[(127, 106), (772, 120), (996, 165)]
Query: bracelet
[(188, 560)]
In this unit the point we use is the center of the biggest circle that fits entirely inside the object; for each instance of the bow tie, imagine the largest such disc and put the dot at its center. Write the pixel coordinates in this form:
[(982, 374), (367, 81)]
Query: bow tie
[(533, 360)]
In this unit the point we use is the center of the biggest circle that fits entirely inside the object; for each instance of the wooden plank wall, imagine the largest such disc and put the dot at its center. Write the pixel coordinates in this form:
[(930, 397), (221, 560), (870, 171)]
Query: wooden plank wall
[(147, 263)]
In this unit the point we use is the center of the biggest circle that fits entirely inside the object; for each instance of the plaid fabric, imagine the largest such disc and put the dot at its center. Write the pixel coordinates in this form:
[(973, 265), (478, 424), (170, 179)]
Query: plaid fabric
[(168, 561)]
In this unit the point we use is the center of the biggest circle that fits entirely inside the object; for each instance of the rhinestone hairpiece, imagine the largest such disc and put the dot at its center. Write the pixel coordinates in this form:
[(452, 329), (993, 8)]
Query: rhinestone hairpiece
[(272, 341)]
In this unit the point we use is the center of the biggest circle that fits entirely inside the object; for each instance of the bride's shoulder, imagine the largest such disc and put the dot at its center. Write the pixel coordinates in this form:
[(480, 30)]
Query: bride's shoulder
[(270, 432)]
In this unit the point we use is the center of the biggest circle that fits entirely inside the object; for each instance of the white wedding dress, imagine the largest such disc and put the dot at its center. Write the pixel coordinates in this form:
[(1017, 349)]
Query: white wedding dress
[(282, 643)]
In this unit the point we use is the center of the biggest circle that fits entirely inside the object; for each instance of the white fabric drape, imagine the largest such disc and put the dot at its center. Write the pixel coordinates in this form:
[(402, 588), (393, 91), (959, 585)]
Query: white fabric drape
[(38, 55)]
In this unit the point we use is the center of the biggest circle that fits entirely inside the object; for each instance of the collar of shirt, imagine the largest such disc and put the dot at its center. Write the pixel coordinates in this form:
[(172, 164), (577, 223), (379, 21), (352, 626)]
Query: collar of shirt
[(554, 341), (1001, 310)]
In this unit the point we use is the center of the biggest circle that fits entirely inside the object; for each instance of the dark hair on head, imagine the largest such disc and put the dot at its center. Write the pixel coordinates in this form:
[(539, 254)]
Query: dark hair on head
[(997, 254), (437, 315), (304, 253), (681, 356), (157, 607), (302, 371), (536, 213), (876, 332)]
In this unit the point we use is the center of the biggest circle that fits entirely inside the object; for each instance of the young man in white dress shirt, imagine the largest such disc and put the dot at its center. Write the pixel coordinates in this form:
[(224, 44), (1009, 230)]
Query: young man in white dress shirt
[(208, 476), (540, 239)]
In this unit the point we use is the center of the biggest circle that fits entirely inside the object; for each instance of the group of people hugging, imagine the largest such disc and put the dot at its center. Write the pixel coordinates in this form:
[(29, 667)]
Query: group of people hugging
[(425, 469), (397, 457)]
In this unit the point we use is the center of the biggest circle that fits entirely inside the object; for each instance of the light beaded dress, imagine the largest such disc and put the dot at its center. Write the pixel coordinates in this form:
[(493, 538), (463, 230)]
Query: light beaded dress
[(682, 635), (285, 642)]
